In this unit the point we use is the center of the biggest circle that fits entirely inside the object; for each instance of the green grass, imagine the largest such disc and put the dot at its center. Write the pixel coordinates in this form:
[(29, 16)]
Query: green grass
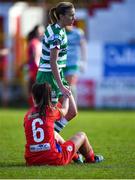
[(111, 133)]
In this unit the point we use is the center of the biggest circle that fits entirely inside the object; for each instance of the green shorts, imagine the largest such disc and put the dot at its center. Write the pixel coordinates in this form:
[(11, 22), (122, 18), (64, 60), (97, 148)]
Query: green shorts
[(43, 77)]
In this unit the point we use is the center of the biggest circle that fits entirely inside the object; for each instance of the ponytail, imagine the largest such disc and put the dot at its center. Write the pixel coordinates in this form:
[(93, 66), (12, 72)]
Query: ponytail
[(42, 96), (53, 15)]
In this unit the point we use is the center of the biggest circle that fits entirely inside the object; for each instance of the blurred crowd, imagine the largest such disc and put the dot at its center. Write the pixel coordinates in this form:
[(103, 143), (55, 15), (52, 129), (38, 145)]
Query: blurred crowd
[(20, 47)]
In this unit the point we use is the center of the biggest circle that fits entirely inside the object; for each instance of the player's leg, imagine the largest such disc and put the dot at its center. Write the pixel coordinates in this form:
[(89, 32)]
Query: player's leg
[(71, 75), (60, 140), (72, 80), (83, 146), (56, 94), (72, 112)]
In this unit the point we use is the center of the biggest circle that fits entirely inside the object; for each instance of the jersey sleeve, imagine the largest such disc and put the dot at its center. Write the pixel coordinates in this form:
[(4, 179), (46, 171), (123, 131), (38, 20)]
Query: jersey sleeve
[(81, 34), (57, 114), (55, 41)]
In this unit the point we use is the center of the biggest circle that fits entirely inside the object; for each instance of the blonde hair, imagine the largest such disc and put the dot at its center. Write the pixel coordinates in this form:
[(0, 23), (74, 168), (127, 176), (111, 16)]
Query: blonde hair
[(60, 8)]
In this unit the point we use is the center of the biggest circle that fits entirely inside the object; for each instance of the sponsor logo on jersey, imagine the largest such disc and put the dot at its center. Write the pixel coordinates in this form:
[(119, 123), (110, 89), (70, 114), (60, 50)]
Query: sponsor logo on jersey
[(56, 42), (40, 147)]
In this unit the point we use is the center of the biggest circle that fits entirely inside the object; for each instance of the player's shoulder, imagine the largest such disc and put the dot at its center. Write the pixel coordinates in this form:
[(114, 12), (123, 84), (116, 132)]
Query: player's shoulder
[(34, 42), (53, 31), (78, 31), (29, 113), (55, 28)]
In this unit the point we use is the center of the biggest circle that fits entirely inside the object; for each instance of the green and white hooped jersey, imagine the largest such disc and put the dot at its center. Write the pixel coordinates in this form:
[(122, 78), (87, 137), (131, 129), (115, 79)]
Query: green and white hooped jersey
[(54, 36)]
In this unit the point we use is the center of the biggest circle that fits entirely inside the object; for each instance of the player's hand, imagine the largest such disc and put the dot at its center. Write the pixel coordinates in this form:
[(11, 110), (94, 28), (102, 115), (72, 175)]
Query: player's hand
[(66, 91)]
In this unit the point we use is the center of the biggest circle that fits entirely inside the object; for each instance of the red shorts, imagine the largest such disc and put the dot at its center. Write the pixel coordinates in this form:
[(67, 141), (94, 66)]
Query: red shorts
[(53, 157), (68, 151)]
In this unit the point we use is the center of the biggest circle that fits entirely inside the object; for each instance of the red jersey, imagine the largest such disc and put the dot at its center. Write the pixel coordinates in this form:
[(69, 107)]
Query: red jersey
[(34, 53), (40, 145)]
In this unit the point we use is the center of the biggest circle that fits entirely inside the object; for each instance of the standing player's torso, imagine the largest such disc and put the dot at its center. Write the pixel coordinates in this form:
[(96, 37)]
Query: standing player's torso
[(54, 37)]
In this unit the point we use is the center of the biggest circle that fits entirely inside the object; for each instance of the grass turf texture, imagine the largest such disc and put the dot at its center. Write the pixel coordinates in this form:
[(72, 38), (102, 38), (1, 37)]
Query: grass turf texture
[(111, 134)]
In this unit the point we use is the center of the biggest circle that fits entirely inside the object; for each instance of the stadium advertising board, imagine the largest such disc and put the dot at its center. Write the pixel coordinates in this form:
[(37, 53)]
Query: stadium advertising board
[(117, 88), (115, 93), (114, 84), (86, 93), (119, 60)]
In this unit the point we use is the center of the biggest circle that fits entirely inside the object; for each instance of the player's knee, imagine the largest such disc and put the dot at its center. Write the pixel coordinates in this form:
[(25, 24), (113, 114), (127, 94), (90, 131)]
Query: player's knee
[(82, 135)]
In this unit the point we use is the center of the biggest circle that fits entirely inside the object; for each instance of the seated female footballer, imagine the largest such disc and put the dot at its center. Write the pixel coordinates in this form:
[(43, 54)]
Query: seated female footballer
[(43, 145)]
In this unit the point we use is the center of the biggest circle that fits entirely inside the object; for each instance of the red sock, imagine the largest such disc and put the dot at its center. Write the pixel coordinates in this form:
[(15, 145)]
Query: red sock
[(75, 157), (90, 156)]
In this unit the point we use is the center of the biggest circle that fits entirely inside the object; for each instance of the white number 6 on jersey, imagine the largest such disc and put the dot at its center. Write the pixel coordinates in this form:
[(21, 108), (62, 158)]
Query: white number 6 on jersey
[(37, 130)]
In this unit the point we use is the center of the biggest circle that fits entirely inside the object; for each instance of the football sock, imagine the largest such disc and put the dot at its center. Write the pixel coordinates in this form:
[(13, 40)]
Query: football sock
[(59, 125), (75, 157), (90, 156)]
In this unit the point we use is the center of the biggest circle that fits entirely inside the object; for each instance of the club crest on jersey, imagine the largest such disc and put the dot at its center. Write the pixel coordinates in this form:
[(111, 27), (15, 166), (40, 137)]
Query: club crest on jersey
[(53, 94), (69, 148), (56, 42)]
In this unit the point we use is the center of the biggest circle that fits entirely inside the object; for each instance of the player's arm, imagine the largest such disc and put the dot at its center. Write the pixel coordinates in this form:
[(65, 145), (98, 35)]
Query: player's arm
[(65, 106), (53, 61)]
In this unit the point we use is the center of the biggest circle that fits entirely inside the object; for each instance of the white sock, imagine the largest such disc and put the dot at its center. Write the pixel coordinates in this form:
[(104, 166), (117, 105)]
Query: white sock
[(59, 125), (63, 121)]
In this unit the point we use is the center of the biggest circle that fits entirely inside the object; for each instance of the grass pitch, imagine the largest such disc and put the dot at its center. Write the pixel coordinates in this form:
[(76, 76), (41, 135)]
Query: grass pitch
[(111, 133)]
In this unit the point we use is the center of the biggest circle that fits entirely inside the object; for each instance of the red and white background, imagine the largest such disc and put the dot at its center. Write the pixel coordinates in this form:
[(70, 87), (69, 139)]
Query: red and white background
[(109, 79)]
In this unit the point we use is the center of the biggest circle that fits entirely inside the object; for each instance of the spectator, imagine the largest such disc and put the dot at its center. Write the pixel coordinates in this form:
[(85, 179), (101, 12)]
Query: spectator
[(33, 53), (3, 75), (76, 56)]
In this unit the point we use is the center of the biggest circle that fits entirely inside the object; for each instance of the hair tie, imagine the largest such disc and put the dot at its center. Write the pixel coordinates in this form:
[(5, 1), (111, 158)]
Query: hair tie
[(55, 15)]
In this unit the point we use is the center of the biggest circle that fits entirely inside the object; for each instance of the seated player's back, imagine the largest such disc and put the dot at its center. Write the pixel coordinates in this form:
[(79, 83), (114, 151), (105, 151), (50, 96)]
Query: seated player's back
[(40, 139)]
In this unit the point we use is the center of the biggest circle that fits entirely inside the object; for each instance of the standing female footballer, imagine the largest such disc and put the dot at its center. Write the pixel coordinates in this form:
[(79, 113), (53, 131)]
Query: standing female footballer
[(53, 58), (43, 146)]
